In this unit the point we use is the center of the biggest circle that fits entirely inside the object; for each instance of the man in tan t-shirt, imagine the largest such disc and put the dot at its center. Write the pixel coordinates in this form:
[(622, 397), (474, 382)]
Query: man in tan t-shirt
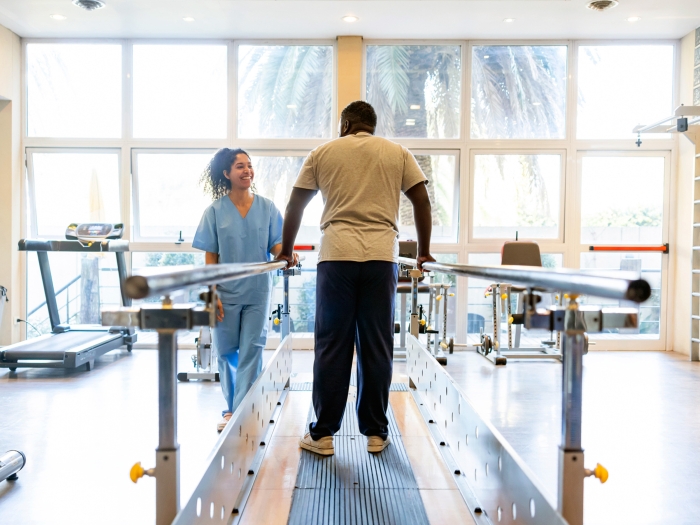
[(361, 178)]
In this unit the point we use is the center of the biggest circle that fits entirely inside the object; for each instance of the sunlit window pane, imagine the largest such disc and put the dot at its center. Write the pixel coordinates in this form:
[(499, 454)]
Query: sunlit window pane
[(74, 90), (630, 209), (416, 90), (170, 197), (180, 91), (646, 266), (518, 92), (274, 179), (285, 91), (441, 171), (74, 187), (517, 193), (620, 86), (154, 263)]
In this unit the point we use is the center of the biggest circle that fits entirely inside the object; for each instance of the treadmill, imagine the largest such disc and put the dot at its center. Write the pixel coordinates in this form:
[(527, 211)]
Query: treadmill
[(71, 346)]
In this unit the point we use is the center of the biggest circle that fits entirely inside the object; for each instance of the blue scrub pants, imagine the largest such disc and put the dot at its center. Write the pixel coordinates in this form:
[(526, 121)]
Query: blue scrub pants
[(239, 341), (354, 310)]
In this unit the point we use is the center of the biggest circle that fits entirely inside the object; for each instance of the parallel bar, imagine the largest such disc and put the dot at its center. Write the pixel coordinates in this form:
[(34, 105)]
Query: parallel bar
[(140, 286), (572, 281)]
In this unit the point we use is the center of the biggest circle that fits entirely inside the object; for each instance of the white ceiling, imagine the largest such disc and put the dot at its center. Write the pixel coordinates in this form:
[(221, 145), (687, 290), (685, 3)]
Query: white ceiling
[(411, 19)]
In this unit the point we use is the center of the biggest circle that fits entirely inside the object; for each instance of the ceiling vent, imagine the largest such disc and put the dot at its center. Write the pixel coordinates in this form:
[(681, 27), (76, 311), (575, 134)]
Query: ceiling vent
[(89, 5), (599, 5)]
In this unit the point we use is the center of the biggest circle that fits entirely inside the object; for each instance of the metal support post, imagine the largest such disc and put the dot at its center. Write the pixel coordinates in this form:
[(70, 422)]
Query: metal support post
[(415, 274), (496, 296), (121, 271), (168, 453), (571, 458), (429, 325), (49, 292), (284, 329)]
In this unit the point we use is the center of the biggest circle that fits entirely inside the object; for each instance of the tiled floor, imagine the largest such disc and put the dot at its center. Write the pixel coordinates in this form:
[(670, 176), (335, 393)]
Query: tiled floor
[(82, 431)]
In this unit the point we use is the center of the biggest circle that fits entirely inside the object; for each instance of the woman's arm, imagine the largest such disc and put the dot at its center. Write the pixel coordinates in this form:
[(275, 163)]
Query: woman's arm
[(213, 258)]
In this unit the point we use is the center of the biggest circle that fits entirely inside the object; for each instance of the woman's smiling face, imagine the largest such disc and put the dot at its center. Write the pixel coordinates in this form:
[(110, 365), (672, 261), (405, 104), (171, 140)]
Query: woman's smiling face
[(241, 173)]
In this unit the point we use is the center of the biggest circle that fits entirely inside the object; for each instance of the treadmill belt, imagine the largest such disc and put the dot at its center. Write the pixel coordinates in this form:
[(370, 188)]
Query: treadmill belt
[(55, 346), (354, 487)]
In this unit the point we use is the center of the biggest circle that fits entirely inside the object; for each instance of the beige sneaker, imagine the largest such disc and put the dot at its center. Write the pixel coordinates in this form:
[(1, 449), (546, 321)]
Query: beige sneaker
[(322, 447), (222, 424), (376, 444)]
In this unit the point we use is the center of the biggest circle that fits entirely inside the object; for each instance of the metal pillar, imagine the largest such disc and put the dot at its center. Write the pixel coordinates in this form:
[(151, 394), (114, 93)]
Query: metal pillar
[(415, 274), (284, 327), (121, 271), (571, 459), (49, 292), (168, 453)]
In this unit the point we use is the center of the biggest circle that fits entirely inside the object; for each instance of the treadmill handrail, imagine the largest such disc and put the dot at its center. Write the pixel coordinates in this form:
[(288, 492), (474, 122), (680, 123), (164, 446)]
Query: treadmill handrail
[(48, 245), (566, 280), (141, 286)]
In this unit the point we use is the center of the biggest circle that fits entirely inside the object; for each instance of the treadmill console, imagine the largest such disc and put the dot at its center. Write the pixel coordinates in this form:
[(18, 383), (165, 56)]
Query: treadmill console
[(94, 231)]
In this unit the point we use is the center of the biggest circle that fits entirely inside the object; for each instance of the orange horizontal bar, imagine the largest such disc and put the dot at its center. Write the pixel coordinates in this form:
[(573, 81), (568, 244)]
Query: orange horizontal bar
[(609, 248), (305, 247)]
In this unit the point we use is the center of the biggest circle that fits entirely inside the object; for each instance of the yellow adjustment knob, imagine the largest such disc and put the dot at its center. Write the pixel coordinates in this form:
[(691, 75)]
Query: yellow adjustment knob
[(486, 294), (601, 473), (430, 327), (422, 322), (276, 321), (504, 296), (443, 345), (438, 298), (510, 320), (566, 296), (136, 472), (451, 295), (556, 297)]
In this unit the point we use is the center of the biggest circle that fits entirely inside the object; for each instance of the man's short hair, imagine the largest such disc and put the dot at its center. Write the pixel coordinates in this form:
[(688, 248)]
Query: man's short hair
[(360, 112)]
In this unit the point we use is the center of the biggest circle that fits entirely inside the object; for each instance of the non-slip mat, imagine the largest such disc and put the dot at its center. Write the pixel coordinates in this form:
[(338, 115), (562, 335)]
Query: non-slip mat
[(308, 387), (354, 487)]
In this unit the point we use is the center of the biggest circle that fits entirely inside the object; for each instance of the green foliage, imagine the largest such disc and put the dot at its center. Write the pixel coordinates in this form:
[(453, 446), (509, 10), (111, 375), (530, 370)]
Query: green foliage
[(628, 217)]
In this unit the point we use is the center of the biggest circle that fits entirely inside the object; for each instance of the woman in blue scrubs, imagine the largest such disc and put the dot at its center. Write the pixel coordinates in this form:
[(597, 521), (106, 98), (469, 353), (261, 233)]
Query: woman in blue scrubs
[(239, 227)]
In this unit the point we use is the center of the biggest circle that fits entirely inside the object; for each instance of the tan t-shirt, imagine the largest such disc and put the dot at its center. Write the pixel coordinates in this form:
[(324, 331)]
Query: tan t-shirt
[(361, 178)]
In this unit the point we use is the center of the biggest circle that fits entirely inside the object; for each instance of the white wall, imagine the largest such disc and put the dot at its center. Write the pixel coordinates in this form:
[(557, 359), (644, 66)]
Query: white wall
[(682, 213), (10, 182)]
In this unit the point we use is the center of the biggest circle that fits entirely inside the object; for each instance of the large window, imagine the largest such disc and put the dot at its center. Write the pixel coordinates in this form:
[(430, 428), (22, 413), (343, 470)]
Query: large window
[(285, 91), (74, 90), (180, 91), (443, 189), (72, 186), (631, 208), (416, 90), (518, 92), (517, 194), (620, 86), (168, 197)]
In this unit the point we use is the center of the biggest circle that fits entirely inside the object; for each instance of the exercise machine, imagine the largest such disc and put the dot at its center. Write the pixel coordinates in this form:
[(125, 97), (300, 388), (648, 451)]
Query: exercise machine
[(71, 346)]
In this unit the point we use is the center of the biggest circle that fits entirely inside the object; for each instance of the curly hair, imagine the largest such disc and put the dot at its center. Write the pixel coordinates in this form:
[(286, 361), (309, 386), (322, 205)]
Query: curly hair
[(360, 111), (213, 179)]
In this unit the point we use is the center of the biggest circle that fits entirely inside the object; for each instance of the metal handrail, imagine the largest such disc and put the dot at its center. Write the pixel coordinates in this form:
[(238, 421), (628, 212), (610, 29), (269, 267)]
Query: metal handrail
[(141, 286), (60, 290), (571, 281)]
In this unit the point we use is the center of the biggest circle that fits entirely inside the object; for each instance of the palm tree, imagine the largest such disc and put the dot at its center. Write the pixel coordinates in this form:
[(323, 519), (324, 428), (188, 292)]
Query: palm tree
[(285, 91)]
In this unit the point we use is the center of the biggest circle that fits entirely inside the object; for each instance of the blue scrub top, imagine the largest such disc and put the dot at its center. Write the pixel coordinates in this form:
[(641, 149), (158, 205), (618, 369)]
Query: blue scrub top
[(236, 239)]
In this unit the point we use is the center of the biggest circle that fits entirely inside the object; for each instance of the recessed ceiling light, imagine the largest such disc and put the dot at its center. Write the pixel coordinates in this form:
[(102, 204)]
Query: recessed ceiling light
[(291, 106), (410, 122), (415, 106), (537, 103), (509, 20), (58, 17), (350, 18), (188, 19), (634, 19), (487, 56)]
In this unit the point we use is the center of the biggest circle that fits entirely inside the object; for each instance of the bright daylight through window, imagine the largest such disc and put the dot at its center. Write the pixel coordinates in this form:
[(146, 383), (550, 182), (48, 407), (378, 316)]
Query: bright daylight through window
[(285, 91), (518, 92), (74, 90), (416, 90), (620, 86), (180, 91)]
